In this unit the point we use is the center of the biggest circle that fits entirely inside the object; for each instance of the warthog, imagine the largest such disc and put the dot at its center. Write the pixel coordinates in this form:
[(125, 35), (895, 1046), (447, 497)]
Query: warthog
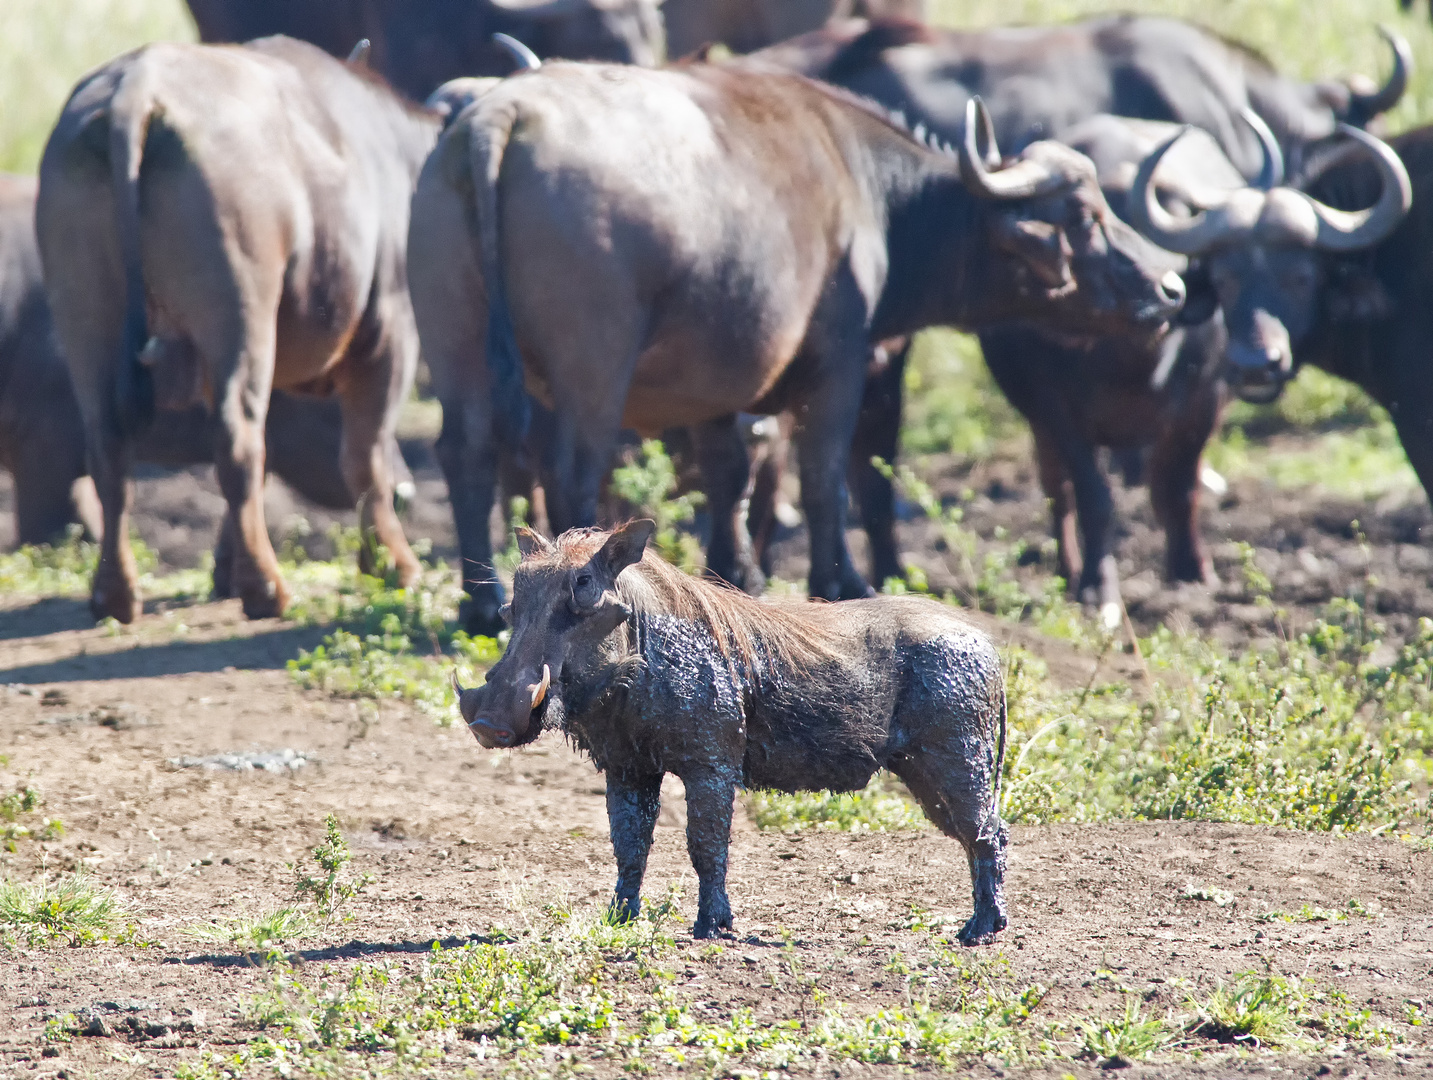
[(790, 226), (653, 672), (216, 222)]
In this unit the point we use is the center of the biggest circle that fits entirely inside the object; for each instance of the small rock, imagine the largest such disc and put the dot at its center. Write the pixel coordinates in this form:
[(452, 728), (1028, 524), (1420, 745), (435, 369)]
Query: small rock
[(97, 1028)]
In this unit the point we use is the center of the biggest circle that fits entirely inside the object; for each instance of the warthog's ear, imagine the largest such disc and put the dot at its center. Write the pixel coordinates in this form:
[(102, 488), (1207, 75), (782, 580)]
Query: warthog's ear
[(532, 544), (624, 547)]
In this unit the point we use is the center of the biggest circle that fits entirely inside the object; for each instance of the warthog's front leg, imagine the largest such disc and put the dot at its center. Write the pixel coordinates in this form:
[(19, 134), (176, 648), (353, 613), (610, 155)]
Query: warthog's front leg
[(709, 802), (632, 805)]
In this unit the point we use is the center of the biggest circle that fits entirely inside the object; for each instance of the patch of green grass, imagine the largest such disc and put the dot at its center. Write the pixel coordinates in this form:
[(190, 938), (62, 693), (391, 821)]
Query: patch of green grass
[(65, 569), (18, 811), (49, 44), (70, 910), (648, 483), (336, 885), (1128, 1036), (260, 933), (883, 806), (1257, 1009), (952, 405)]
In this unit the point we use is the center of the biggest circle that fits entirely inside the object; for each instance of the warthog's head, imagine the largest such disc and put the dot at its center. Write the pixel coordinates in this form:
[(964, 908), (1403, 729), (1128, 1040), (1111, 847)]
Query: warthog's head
[(1062, 256), (564, 612), (1263, 251)]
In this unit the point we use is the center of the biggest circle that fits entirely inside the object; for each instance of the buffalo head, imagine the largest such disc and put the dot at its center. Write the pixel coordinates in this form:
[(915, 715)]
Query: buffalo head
[(1261, 250), (564, 613), (622, 31), (1062, 254)]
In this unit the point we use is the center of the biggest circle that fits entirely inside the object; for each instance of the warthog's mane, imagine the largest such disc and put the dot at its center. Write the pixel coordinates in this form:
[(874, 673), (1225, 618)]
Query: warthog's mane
[(751, 635)]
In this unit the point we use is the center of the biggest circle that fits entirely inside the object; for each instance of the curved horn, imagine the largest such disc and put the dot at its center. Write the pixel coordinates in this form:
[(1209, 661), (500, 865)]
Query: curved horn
[(1342, 230), (359, 55), (1022, 180), (1271, 173), (524, 57), (538, 690), (1365, 107), (1148, 215)]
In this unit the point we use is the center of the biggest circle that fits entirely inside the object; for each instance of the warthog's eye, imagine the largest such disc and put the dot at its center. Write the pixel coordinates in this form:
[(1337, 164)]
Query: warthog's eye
[(584, 580)]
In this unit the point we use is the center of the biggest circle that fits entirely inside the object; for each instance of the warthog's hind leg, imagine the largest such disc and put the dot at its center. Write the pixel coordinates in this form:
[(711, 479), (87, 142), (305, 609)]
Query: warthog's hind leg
[(961, 802), (632, 806)]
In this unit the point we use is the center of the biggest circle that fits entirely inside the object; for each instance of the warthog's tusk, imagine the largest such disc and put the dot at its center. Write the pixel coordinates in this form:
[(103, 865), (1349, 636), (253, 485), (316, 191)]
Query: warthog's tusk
[(539, 690)]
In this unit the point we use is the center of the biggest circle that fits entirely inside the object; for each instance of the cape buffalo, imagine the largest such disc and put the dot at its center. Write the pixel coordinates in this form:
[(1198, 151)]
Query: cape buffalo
[(215, 222), (1334, 275), (42, 437), (788, 226), (418, 44), (746, 25), (650, 671), (1040, 80)]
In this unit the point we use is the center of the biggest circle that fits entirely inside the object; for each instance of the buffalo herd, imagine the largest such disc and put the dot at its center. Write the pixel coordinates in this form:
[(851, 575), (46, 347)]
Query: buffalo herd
[(237, 252)]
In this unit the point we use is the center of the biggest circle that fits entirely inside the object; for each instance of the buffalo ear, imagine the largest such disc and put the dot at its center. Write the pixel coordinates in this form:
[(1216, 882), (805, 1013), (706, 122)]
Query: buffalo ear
[(624, 547), (1038, 244), (532, 544), (1354, 295)]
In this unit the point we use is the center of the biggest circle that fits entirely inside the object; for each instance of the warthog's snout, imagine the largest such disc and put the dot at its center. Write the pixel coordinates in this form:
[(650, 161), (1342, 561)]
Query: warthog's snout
[(483, 713)]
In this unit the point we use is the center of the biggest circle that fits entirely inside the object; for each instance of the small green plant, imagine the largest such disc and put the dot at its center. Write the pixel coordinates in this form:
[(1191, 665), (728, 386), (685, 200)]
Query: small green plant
[(648, 483), (70, 910), (23, 803), (335, 886), (881, 807), (1258, 1008), (1127, 1037), (264, 933)]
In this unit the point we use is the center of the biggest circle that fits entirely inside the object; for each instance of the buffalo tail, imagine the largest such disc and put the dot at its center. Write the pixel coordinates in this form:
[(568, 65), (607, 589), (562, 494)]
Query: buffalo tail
[(511, 410), (130, 113)]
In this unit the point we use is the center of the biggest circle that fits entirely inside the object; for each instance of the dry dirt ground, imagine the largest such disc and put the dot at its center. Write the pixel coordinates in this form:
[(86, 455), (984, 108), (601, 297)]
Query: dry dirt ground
[(454, 834)]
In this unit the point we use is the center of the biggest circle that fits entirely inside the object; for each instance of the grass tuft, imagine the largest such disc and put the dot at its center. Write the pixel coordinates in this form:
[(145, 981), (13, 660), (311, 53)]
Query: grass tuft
[(70, 910)]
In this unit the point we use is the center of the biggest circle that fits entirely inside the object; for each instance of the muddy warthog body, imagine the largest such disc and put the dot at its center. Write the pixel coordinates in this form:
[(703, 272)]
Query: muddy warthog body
[(652, 672), (788, 227), (216, 222)]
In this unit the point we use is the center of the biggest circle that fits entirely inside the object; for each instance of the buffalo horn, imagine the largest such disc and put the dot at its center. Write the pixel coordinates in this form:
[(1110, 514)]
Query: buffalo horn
[(524, 57), (1022, 180), (1271, 172), (1391, 92), (538, 690), (1342, 230), (1182, 236), (359, 55)]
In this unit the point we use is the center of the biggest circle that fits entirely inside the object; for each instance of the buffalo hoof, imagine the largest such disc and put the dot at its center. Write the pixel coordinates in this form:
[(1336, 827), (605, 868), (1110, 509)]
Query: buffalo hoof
[(266, 601), (480, 619), (121, 604), (981, 928)]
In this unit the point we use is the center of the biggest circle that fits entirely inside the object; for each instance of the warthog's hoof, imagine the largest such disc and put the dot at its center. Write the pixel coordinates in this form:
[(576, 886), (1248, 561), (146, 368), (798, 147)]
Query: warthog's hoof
[(115, 601), (265, 601), (710, 926), (981, 928)]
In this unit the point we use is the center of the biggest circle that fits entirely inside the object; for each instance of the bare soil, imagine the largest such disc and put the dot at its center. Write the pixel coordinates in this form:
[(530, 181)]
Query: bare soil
[(454, 833)]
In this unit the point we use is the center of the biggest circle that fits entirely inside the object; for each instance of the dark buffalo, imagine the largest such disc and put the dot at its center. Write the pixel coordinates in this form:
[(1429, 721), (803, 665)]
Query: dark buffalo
[(746, 25), (653, 672), (215, 223), (419, 44), (1039, 81), (788, 227), (42, 437)]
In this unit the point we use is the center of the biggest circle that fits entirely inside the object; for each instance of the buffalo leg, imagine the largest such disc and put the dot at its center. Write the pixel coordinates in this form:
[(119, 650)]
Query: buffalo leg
[(370, 397), (115, 591), (632, 806), (1174, 494), (467, 452), (239, 457), (224, 557), (709, 805), (44, 505), (963, 806), (726, 475), (1056, 484), (878, 436)]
